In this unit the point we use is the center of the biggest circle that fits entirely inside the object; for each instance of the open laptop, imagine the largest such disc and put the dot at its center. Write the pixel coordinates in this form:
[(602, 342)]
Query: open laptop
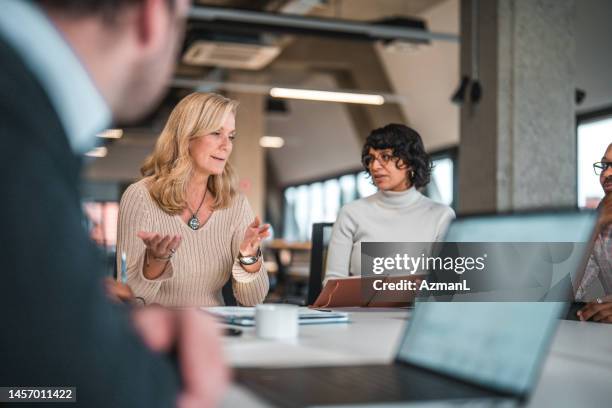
[(453, 352)]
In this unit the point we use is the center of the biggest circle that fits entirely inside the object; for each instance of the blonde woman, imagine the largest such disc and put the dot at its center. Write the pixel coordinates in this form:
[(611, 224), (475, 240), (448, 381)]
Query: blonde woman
[(184, 228)]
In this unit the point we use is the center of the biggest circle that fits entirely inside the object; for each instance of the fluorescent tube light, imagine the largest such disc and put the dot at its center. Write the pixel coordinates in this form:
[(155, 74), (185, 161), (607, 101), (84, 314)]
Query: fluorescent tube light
[(111, 134), (273, 142), (97, 152), (327, 96)]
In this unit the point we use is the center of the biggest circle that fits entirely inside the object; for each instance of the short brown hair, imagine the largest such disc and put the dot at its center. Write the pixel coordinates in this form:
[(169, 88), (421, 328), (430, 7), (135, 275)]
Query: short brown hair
[(107, 9)]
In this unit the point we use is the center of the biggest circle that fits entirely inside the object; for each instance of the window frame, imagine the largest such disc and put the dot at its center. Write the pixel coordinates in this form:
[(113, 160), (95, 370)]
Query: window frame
[(594, 115), (451, 153)]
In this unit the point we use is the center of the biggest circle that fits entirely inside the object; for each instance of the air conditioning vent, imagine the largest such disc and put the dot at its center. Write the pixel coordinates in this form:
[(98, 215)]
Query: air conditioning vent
[(230, 55)]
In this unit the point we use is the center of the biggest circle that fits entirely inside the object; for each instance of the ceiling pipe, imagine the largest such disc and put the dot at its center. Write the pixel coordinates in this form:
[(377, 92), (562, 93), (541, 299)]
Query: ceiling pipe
[(264, 21), (263, 89)]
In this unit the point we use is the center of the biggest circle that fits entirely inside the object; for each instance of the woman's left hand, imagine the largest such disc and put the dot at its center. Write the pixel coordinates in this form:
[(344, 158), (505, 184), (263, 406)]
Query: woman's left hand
[(253, 235), (597, 311)]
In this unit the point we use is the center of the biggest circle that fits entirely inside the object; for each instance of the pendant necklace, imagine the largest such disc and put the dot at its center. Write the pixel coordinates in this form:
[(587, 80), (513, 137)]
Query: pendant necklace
[(194, 221)]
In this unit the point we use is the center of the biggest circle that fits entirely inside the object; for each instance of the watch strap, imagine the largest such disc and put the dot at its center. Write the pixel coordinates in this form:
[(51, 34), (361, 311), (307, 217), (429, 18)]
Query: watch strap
[(249, 260)]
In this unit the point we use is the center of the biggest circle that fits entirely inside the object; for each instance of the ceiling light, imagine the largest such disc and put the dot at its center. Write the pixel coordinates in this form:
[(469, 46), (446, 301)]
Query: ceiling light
[(97, 152), (327, 96), (273, 142), (111, 134)]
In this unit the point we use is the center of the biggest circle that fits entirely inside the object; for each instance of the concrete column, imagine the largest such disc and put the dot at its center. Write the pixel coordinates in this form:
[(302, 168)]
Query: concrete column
[(518, 144), (248, 157)]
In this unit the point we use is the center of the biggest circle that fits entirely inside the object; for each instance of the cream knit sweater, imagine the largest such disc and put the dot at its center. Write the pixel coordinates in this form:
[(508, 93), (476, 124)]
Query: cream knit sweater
[(387, 216), (205, 260)]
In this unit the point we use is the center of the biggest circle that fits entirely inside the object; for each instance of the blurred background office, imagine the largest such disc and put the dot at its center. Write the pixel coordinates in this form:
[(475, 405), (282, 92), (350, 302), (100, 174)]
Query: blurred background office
[(513, 100)]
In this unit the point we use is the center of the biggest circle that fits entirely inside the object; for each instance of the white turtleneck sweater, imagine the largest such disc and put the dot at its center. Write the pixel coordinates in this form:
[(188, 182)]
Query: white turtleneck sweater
[(406, 216)]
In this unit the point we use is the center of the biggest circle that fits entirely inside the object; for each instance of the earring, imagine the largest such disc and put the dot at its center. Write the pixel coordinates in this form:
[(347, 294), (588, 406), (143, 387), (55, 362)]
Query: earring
[(411, 174)]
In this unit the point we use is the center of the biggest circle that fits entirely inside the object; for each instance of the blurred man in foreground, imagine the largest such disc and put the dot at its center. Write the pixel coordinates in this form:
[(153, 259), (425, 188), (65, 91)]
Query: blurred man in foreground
[(600, 262), (69, 68)]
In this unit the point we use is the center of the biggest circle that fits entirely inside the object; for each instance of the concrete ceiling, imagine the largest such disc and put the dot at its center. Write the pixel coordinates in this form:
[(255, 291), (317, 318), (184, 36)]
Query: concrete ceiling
[(344, 9), (373, 10), (312, 130), (324, 138)]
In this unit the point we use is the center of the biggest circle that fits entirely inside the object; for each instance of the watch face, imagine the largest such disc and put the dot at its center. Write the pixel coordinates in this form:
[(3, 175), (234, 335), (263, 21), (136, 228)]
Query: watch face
[(249, 260)]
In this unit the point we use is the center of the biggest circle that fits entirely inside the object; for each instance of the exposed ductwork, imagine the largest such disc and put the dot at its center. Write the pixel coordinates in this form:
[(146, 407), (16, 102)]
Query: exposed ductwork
[(220, 19), (245, 39), (230, 54)]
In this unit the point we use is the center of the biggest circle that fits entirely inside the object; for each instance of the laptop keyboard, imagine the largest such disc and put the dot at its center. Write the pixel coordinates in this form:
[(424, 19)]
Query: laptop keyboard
[(301, 387)]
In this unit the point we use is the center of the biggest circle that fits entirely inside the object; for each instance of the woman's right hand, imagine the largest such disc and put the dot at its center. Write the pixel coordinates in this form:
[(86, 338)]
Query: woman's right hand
[(160, 247)]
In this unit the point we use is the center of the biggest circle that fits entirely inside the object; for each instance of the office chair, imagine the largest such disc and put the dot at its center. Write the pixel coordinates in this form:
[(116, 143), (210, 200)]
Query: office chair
[(321, 234), (228, 294)]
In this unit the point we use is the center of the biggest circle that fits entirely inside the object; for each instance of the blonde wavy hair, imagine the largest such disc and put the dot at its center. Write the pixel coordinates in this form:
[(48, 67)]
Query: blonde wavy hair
[(170, 166)]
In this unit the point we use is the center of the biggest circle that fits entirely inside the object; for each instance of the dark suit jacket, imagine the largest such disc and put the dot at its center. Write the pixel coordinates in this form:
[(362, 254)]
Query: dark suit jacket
[(56, 325)]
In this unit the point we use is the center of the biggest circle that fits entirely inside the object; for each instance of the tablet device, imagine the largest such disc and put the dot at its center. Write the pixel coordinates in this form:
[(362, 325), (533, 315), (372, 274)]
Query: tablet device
[(359, 291)]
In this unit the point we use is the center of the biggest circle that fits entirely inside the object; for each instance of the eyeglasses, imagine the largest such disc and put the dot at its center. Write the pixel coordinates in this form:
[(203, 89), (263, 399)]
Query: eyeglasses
[(384, 159), (600, 167)]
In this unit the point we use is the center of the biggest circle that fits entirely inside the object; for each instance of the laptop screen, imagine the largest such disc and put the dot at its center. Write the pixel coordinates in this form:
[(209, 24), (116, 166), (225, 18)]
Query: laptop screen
[(496, 344)]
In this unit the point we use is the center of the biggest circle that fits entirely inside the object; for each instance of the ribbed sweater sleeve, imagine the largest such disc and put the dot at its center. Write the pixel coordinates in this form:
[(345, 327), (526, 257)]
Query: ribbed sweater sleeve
[(134, 216), (249, 288)]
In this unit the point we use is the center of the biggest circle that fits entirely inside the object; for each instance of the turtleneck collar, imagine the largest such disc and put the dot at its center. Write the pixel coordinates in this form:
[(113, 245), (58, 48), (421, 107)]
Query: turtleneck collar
[(395, 199)]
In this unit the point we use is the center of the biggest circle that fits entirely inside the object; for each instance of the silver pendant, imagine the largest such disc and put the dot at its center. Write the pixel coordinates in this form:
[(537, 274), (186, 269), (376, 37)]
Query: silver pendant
[(194, 223)]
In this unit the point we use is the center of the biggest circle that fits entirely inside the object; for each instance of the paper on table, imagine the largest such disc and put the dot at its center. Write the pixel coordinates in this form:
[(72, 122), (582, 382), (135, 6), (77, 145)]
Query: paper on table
[(230, 311), (245, 316)]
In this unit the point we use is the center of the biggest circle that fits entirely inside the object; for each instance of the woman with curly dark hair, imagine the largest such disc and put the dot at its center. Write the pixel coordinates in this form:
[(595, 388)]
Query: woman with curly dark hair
[(395, 159)]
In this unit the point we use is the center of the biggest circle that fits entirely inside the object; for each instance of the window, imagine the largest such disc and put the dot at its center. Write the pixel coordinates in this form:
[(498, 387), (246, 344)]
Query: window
[(364, 185), (348, 189), (441, 187), (594, 136), (320, 201)]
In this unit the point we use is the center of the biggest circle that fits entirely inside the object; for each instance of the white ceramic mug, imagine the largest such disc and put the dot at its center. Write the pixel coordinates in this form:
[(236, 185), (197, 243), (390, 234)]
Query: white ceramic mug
[(276, 321)]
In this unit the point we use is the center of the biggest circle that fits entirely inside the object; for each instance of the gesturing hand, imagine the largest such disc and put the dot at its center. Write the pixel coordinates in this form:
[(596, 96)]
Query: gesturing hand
[(160, 246), (253, 235), (204, 374)]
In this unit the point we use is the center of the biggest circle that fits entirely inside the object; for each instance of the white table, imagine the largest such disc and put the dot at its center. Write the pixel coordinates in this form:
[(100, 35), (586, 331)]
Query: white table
[(577, 371)]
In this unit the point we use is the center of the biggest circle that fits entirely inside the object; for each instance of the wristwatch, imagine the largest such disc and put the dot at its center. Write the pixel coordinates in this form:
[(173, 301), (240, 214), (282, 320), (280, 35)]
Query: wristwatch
[(249, 260)]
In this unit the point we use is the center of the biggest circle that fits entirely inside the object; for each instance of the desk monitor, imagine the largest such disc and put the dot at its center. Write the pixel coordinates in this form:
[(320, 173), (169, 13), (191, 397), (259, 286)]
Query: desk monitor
[(321, 235)]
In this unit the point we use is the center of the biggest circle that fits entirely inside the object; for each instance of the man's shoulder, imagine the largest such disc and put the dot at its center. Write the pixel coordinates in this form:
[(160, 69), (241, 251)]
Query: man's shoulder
[(26, 112), (606, 234), (21, 91)]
